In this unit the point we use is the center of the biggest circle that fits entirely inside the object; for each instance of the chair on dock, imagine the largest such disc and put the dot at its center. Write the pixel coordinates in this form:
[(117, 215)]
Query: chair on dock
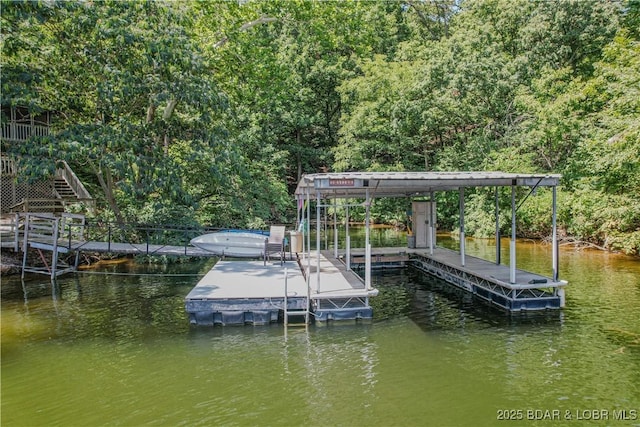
[(274, 243)]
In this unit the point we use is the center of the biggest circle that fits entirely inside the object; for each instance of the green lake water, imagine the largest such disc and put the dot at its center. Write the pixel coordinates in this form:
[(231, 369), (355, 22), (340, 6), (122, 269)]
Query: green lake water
[(117, 349)]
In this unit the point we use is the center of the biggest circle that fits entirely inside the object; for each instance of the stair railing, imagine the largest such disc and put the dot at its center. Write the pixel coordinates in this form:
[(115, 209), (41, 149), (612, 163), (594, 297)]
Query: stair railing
[(76, 185)]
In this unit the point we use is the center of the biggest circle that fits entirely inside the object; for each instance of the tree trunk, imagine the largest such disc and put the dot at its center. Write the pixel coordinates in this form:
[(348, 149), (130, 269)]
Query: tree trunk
[(151, 111), (106, 182), (171, 105)]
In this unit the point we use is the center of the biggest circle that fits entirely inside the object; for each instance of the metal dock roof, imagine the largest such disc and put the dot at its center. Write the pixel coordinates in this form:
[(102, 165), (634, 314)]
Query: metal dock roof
[(408, 184)]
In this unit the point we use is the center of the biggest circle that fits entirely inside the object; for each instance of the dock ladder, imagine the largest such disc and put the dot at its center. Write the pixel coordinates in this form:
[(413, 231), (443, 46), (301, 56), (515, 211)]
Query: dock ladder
[(296, 312)]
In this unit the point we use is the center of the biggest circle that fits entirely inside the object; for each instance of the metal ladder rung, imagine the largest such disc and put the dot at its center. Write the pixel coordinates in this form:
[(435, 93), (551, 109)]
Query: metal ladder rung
[(290, 313), (296, 312)]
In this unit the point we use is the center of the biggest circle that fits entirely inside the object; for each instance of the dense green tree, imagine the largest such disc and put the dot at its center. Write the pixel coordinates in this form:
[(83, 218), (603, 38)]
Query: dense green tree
[(210, 111), (130, 83)]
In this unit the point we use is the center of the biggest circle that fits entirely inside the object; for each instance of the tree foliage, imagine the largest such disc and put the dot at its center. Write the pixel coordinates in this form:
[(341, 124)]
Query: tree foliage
[(211, 111)]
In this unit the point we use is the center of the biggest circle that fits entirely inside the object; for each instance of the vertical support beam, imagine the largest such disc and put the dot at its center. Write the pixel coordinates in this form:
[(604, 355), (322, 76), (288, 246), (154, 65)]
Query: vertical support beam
[(318, 225), (512, 243), (462, 237), (25, 245), (302, 226), (16, 232), (301, 223), (324, 226), (367, 245), (335, 228), (286, 300), (348, 240), (554, 235), (302, 211), (498, 248), (54, 256), (432, 222), (307, 232)]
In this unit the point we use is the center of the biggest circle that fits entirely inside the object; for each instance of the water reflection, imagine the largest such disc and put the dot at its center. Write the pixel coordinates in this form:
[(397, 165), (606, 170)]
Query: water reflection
[(118, 349), (434, 304)]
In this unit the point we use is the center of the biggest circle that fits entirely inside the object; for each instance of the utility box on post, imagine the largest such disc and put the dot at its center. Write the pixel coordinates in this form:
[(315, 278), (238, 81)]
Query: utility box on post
[(296, 241), (424, 220)]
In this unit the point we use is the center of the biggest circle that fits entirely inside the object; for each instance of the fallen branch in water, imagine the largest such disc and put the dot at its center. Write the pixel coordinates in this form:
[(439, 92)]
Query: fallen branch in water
[(579, 244)]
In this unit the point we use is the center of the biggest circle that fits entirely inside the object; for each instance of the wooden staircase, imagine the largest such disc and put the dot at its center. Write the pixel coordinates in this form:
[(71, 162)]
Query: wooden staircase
[(42, 196), (63, 189)]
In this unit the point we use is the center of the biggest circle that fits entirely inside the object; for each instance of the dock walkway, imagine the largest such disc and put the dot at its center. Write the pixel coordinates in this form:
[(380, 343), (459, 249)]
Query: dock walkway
[(140, 249), (241, 292), (485, 279)]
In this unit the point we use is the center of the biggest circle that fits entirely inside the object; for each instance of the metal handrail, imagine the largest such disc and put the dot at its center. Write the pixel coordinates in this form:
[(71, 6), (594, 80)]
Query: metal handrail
[(131, 233), (135, 233)]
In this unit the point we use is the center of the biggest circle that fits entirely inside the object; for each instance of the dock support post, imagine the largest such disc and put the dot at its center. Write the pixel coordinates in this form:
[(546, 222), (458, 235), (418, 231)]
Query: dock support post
[(307, 232), (348, 239), (286, 299), (498, 248), (462, 238), (512, 243), (16, 232), (367, 257), (324, 228), (25, 245), (554, 236), (318, 224), (301, 223), (432, 221), (335, 228), (54, 256)]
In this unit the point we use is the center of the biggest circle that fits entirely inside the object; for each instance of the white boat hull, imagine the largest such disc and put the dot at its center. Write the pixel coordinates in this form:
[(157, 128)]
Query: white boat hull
[(232, 244)]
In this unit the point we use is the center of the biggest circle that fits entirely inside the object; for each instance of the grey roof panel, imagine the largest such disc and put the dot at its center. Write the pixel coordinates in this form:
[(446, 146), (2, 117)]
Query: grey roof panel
[(408, 184)]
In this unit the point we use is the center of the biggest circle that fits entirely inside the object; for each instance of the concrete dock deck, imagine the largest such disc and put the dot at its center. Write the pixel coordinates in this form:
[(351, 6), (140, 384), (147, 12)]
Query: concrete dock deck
[(249, 279), (239, 292)]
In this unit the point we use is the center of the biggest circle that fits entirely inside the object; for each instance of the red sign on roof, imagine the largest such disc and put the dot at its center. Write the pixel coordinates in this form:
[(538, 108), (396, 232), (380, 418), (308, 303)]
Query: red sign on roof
[(342, 182)]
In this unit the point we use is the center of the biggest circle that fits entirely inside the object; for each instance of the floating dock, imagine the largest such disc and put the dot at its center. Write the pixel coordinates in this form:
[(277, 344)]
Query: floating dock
[(252, 292), (332, 288), (484, 279)]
